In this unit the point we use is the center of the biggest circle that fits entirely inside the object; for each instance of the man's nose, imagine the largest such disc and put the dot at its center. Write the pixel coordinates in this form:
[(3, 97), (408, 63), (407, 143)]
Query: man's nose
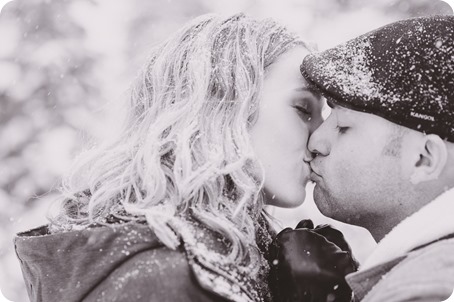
[(319, 143)]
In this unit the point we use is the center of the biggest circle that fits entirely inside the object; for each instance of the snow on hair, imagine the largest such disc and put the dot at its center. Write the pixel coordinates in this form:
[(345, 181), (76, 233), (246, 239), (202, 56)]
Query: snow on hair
[(185, 145)]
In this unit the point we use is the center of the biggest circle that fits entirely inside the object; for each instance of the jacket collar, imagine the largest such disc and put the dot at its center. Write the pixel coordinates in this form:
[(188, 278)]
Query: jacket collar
[(431, 222), (363, 281), (207, 256)]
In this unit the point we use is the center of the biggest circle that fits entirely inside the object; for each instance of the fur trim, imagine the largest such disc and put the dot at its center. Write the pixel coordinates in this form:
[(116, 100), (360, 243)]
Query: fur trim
[(430, 223)]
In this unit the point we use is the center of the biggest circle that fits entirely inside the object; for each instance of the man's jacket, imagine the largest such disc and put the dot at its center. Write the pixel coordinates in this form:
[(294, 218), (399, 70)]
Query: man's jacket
[(415, 261)]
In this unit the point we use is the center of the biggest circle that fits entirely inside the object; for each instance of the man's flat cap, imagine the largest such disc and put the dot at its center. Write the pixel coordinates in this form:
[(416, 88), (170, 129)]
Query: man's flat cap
[(403, 72)]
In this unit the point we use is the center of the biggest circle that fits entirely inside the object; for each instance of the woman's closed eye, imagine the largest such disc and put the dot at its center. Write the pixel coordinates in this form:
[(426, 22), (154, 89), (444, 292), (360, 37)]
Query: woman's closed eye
[(303, 112)]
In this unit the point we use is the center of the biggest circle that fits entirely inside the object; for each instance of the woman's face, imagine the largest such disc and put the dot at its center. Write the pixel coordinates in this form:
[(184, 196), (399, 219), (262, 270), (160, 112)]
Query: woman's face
[(289, 112)]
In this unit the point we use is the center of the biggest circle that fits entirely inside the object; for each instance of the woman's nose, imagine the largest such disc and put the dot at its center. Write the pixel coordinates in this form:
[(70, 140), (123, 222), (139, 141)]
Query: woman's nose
[(308, 156)]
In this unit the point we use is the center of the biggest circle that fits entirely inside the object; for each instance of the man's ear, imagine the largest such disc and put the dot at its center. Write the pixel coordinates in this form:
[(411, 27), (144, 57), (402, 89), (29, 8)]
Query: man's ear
[(433, 156)]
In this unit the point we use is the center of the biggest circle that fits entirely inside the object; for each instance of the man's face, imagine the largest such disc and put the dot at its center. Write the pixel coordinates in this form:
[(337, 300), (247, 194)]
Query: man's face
[(359, 169)]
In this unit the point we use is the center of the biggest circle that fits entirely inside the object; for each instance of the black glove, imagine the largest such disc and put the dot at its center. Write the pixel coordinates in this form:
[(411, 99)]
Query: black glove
[(310, 264)]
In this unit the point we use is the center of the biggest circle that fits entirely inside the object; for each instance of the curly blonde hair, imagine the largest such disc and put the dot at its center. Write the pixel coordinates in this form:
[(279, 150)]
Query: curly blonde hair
[(185, 145)]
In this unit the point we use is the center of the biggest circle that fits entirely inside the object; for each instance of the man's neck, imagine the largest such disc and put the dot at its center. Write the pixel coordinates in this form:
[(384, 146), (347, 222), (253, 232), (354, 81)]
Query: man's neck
[(384, 224), (380, 229), (432, 222)]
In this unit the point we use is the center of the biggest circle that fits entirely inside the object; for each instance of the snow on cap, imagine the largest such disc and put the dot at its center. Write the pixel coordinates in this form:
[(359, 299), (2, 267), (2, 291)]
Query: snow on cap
[(403, 72)]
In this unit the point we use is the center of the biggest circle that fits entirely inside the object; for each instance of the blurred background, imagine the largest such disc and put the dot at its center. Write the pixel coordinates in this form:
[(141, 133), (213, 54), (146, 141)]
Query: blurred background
[(66, 64)]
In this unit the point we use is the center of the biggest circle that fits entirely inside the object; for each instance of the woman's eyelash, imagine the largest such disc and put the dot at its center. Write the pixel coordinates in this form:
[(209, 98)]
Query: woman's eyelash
[(342, 130), (303, 110)]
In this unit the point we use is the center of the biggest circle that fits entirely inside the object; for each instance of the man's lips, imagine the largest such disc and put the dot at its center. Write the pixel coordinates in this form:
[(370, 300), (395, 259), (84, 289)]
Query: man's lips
[(314, 175)]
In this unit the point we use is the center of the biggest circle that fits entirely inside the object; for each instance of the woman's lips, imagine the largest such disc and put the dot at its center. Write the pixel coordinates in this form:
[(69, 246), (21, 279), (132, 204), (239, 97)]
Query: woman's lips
[(307, 170)]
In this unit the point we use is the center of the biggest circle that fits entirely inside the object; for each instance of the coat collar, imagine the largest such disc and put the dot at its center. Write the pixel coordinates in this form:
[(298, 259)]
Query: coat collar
[(207, 252), (431, 222), (363, 281)]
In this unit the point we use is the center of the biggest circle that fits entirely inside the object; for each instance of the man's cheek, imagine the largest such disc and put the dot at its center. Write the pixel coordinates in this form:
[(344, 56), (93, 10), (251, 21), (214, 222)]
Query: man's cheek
[(343, 173)]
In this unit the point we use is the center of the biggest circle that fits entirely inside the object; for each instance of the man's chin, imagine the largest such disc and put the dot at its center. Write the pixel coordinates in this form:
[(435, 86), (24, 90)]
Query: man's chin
[(319, 194), (330, 209), (325, 206), (320, 200)]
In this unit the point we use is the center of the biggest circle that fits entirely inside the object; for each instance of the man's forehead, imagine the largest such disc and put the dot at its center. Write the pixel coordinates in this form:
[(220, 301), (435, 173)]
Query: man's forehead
[(355, 115), (334, 106)]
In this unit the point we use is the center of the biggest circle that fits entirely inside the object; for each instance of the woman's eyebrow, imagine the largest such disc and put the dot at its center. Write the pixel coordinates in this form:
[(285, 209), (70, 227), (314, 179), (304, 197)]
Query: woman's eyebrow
[(307, 89)]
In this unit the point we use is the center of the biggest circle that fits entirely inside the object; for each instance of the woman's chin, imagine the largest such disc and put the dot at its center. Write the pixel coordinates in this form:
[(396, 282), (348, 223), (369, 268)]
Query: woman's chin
[(288, 201)]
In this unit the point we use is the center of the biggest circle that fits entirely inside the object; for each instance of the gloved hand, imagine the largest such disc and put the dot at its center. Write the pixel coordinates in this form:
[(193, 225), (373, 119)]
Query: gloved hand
[(309, 264)]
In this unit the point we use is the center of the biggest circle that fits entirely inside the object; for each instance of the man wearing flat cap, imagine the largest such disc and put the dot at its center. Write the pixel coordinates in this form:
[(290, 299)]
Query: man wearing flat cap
[(384, 158)]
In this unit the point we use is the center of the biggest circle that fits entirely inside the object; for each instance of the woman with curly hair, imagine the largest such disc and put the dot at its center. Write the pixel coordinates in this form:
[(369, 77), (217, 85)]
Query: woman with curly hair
[(173, 208)]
